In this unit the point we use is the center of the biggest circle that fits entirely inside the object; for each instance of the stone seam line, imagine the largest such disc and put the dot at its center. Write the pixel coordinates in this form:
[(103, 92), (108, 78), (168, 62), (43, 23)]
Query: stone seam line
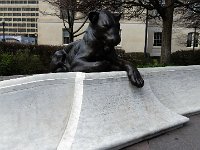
[(70, 131)]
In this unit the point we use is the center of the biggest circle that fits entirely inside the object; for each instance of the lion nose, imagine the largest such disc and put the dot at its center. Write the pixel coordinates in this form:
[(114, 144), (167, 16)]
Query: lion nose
[(116, 41)]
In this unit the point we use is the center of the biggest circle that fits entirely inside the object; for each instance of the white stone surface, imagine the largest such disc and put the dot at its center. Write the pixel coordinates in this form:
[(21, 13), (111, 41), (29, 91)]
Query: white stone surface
[(178, 88), (115, 114), (82, 111), (34, 111)]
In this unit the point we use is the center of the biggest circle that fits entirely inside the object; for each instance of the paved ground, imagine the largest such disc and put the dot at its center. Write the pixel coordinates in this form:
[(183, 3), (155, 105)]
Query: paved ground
[(185, 138)]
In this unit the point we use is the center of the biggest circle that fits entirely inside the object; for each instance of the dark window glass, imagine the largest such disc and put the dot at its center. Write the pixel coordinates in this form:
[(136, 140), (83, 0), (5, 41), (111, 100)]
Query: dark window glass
[(157, 39), (66, 39), (191, 40)]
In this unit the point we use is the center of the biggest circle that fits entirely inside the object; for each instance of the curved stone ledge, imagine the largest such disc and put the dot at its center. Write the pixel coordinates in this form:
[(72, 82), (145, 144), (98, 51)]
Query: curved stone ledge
[(115, 114), (32, 116), (176, 87), (94, 111)]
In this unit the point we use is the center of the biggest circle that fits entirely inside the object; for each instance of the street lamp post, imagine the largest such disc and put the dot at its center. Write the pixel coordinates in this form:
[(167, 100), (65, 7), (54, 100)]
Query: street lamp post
[(195, 30), (3, 23), (146, 30), (36, 40)]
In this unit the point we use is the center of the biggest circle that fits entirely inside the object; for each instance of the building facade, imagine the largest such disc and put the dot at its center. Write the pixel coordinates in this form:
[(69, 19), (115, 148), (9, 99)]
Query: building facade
[(51, 31), (36, 18), (20, 17)]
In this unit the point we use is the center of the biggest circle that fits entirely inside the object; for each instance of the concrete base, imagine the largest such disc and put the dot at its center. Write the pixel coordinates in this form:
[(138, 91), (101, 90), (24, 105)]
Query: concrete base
[(115, 114), (34, 111), (178, 88), (80, 111)]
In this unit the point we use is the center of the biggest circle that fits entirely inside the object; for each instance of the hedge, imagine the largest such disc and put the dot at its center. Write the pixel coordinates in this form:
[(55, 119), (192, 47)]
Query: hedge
[(22, 59), (20, 63), (16, 58), (136, 58), (186, 57)]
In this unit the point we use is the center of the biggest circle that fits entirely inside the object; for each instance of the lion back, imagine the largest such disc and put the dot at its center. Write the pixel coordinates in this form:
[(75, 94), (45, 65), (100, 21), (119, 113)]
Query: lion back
[(60, 61)]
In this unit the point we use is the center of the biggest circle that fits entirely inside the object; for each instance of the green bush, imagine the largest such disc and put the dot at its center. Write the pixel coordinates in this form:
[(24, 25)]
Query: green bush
[(26, 59), (186, 57), (27, 63), (21, 59), (22, 62), (6, 64), (136, 58)]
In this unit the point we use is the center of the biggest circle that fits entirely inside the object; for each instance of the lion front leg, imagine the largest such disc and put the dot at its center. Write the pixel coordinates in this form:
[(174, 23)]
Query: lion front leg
[(132, 72), (134, 76)]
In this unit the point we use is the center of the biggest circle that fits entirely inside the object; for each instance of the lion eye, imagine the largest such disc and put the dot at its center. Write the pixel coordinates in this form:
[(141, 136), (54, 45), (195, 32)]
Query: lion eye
[(106, 26)]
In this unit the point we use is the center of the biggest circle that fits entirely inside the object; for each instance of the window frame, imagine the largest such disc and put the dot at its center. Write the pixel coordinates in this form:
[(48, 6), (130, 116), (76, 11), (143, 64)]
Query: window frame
[(157, 39), (63, 37), (190, 40)]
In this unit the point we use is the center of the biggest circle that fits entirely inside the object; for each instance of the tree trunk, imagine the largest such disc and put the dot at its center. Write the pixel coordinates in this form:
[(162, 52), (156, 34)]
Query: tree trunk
[(167, 33), (70, 17), (71, 35)]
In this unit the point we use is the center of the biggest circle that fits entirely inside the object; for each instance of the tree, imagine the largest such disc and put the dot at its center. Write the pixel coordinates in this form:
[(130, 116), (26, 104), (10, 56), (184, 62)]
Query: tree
[(189, 17), (72, 10), (165, 10)]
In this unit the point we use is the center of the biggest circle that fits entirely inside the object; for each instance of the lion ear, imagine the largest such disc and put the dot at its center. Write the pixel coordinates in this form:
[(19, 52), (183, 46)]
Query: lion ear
[(117, 16), (93, 17)]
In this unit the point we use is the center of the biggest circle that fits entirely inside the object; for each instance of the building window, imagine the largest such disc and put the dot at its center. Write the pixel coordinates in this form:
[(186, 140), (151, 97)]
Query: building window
[(16, 19), (16, 14), (191, 40), (157, 39), (21, 30), (66, 39)]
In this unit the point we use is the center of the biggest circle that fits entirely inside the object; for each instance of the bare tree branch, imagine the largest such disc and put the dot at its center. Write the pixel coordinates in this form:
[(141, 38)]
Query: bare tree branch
[(79, 34), (81, 26)]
